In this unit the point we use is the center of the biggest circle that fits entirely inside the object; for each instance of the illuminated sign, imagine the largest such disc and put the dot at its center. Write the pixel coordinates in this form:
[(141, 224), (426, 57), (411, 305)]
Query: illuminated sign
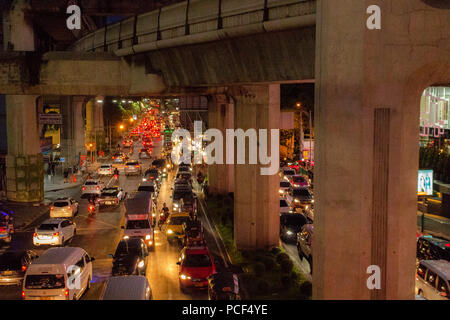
[(425, 183)]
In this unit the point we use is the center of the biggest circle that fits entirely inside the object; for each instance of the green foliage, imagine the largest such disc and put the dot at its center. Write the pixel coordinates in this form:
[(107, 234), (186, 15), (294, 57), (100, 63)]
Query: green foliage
[(269, 263), (286, 266), (282, 256), (259, 269)]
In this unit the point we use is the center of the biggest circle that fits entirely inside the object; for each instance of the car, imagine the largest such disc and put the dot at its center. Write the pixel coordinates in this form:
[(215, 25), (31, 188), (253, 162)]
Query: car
[(92, 186), (433, 279), (111, 196), (196, 265), (287, 172), (127, 143), (185, 175), (299, 197), (174, 225), (119, 158), (223, 286), (304, 243), (105, 170), (284, 187), (127, 288), (290, 225), (58, 274), (298, 181), (284, 206), (132, 167), (151, 174), (144, 154), (64, 208), (54, 232), (180, 193), (130, 257), (14, 264), (433, 248)]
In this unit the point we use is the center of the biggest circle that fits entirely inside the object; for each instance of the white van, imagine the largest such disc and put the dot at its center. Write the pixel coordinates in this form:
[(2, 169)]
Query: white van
[(127, 288), (58, 274)]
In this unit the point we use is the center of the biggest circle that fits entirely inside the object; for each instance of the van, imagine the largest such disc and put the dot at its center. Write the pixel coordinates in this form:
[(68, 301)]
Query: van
[(139, 221), (127, 288), (58, 274), (433, 279)]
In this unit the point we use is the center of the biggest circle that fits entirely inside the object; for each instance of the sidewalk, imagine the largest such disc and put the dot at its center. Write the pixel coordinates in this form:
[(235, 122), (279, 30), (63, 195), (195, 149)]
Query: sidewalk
[(434, 225), (56, 182)]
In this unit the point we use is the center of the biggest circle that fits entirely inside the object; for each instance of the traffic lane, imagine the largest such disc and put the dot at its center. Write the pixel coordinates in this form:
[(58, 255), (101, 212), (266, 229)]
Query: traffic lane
[(162, 270)]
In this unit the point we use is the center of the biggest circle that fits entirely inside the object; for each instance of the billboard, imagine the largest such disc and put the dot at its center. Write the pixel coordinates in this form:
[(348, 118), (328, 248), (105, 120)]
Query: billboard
[(425, 183)]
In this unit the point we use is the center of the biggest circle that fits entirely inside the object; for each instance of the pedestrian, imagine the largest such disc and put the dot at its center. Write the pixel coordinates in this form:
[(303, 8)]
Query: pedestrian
[(52, 165), (66, 175)]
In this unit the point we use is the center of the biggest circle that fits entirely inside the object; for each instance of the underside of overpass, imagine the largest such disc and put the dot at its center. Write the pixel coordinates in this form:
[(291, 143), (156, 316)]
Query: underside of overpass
[(366, 136)]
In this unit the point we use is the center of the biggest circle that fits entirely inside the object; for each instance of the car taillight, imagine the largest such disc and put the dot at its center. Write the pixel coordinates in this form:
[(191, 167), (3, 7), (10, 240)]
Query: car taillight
[(56, 234), (24, 268), (84, 188), (97, 188), (23, 294), (52, 208), (126, 166), (34, 235), (67, 294)]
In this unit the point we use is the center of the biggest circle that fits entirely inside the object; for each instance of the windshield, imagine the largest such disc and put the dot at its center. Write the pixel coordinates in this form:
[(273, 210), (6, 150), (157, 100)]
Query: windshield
[(124, 249), (61, 204), (285, 184), (302, 193), (48, 226), (295, 220), (186, 196), (289, 172), (91, 183), (178, 220), (299, 179), (110, 193), (132, 163), (47, 281), (138, 224), (197, 261), (105, 167)]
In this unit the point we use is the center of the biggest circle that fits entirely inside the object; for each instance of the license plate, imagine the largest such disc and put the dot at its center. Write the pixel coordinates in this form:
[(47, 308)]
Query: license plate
[(44, 237), (7, 273), (199, 285), (46, 298), (109, 202)]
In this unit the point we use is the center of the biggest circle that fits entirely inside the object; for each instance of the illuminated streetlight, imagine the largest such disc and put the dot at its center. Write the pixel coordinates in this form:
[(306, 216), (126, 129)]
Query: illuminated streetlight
[(121, 127)]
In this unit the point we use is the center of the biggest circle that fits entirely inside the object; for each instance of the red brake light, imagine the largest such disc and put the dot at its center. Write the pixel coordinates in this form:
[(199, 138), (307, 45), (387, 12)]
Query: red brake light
[(34, 234), (84, 188), (447, 245), (24, 268), (97, 187), (56, 234), (23, 294), (67, 293), (52, 208)]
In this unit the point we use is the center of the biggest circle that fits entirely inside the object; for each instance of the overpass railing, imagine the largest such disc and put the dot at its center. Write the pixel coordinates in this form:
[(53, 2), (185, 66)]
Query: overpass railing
[(198, 21)]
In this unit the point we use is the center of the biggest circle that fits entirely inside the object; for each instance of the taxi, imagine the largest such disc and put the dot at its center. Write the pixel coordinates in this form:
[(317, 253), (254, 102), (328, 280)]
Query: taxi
[(196, 265), (174, 225)]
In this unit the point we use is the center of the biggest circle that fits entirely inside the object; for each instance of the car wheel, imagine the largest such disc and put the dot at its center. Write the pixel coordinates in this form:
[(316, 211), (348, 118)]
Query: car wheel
[(88, 284)]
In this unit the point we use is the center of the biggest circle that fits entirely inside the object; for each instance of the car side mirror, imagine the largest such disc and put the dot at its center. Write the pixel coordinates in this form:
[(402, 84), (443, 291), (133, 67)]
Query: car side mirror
[(178, 263)]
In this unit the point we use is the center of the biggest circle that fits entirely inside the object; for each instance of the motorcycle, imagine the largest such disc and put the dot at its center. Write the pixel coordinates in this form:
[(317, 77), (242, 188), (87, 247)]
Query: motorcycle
[(162, 219), (92, 208)]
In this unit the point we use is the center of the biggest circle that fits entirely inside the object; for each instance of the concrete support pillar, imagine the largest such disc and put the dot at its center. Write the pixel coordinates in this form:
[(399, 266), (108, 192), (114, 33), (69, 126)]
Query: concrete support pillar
[(79, 127), (221, 116), (256, 200), (18, 33), (73, 131), (24, 163)]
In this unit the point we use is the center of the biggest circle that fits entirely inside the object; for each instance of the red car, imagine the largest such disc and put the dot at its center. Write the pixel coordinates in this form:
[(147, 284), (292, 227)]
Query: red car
[(299, 181), (127, 143), (196, 265)]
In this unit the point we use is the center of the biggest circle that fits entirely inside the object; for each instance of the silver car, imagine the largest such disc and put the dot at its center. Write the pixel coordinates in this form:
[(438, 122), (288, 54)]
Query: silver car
[(433, 279), (64, 208), (132, 167)]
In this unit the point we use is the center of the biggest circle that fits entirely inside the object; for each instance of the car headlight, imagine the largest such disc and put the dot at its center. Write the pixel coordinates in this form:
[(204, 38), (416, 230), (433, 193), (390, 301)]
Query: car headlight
[(164, 170), (289, 232), (147, 237), (141, 264), (306, 207), (296, 200), (143, 179), (280, 191), (170, 231), (126, 237), (312, 201), (175, 205), (153, 214), (184, 277)]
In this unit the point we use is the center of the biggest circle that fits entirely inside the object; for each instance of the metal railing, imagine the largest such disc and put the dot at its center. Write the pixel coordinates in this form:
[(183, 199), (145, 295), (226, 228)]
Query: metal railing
[(196, 21)]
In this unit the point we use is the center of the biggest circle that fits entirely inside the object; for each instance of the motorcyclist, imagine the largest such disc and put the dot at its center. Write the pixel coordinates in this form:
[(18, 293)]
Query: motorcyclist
[(116, 173), (93, 201)]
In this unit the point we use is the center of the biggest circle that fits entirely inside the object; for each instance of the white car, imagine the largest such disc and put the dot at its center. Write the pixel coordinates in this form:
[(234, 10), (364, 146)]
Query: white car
[(54, 232), (106, 170), (111, 196), (284, 206), (92, 186), (64, 208)]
